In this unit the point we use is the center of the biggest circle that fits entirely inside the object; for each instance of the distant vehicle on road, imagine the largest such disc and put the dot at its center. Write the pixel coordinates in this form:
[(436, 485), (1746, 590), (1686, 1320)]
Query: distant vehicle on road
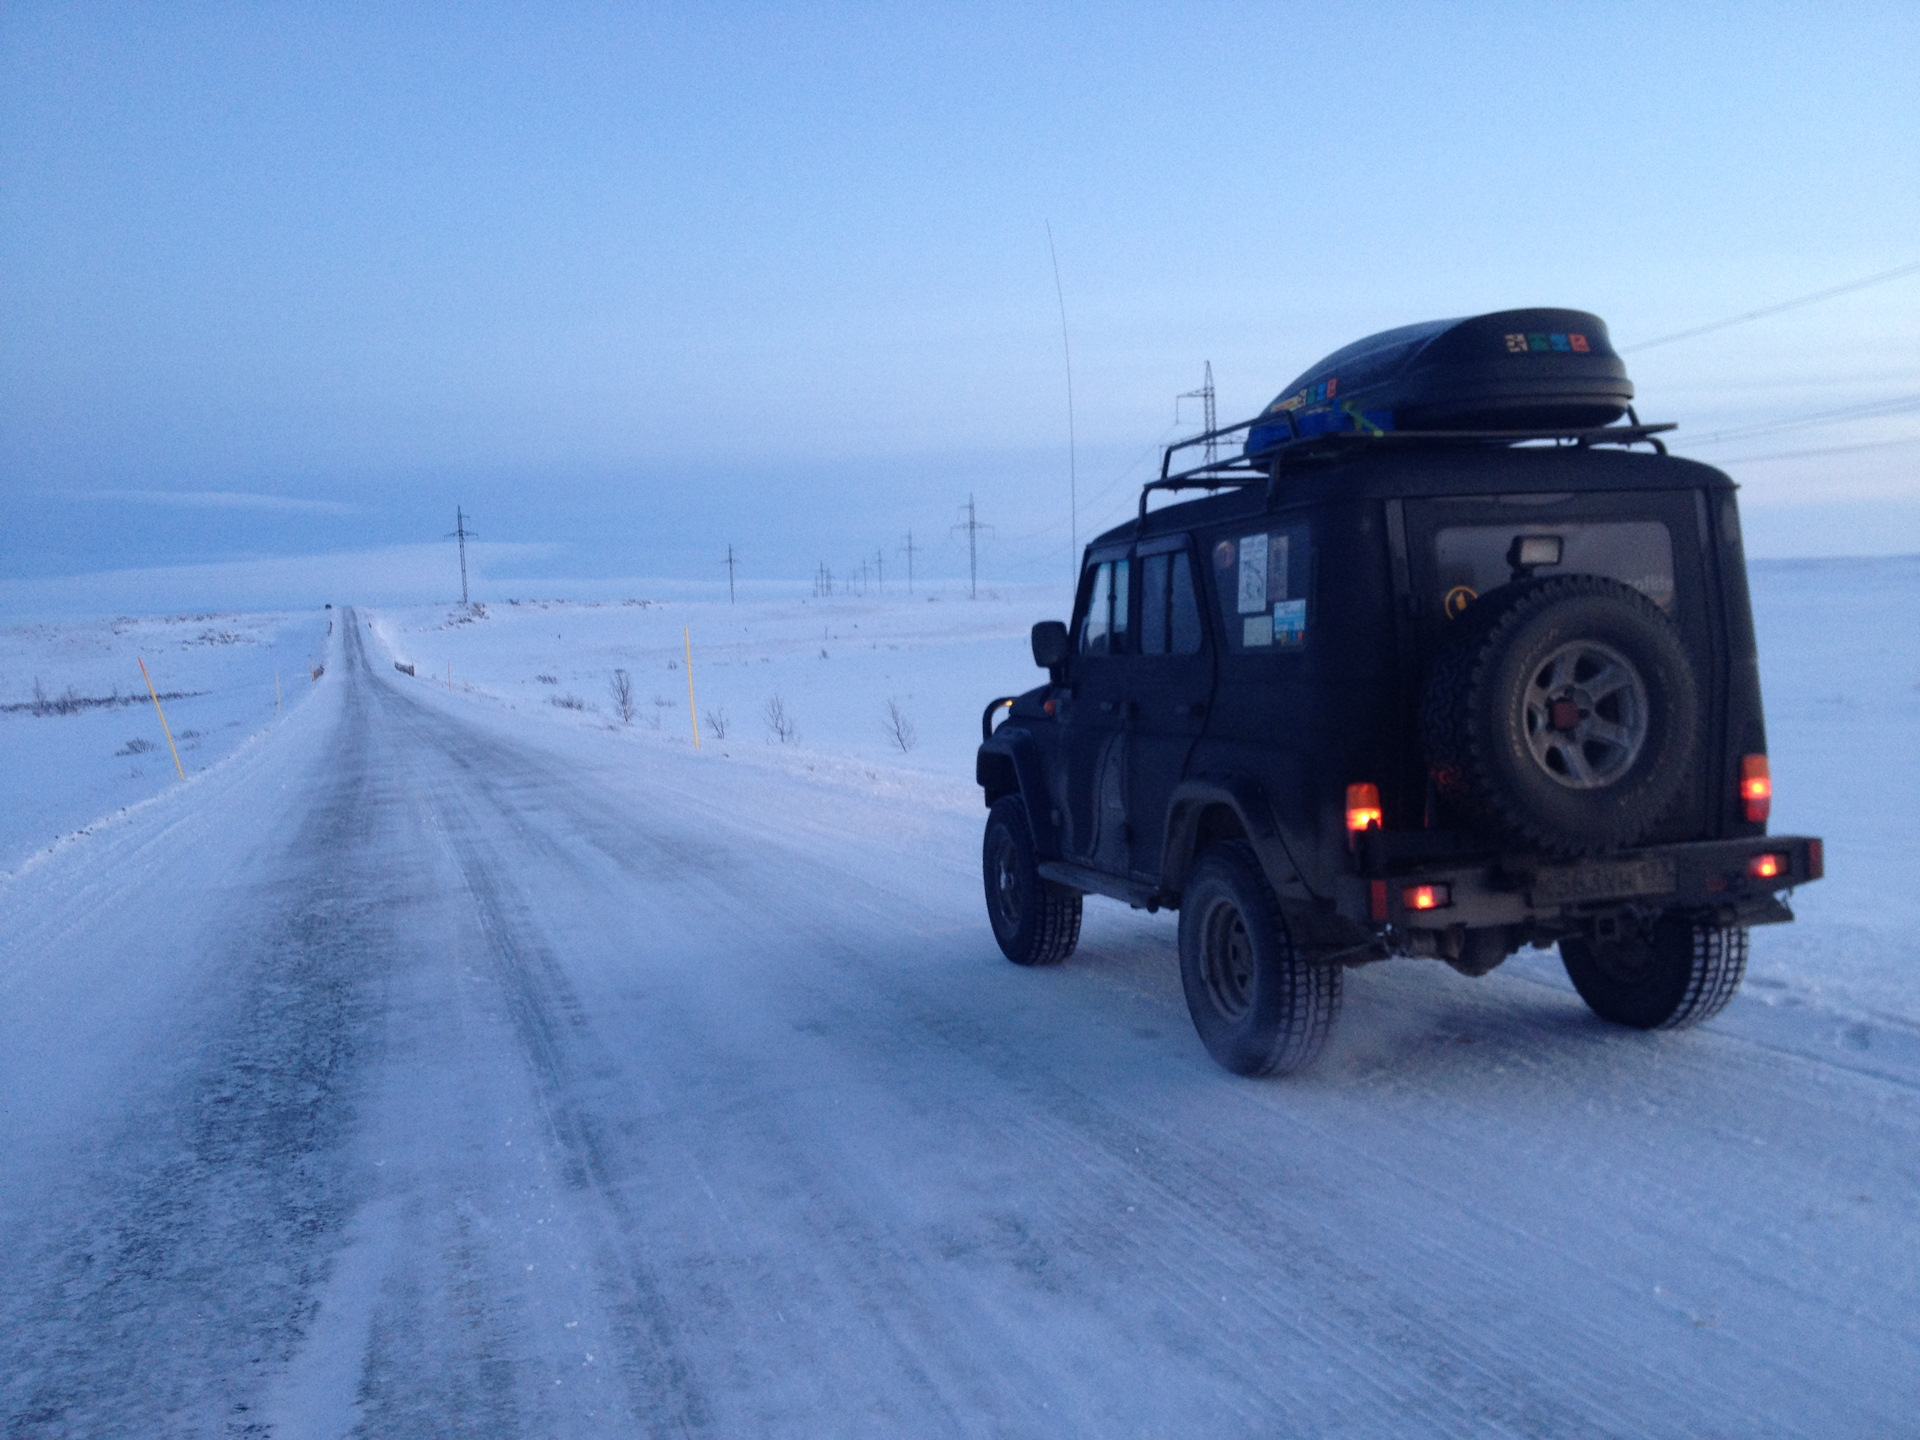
[(1455, 659)]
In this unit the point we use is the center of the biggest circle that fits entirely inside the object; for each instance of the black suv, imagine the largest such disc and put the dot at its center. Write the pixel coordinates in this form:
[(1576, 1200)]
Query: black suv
[(1450, 662)]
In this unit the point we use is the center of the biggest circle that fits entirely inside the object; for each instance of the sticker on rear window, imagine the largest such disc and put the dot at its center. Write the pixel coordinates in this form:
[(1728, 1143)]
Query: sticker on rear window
[(1253, 575), (1290, 622)]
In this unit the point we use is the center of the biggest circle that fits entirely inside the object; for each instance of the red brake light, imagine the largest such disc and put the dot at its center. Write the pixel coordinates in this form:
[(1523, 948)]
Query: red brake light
[(1427, 897), (1756, 787), (1377, 900), (1363, 808), (1766, 867), (1816, 859)]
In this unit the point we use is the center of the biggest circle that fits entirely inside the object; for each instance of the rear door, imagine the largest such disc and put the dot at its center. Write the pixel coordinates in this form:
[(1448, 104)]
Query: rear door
[(1459, 549)]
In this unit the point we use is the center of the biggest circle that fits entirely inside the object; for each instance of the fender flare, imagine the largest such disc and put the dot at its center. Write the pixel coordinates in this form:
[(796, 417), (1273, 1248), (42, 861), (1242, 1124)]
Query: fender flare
[(1198, 795), (1009, 764)]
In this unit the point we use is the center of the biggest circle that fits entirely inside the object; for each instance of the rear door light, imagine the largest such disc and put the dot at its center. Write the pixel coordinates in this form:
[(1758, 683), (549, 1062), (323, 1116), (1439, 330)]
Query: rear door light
[(1756, 788), (1363, 808)]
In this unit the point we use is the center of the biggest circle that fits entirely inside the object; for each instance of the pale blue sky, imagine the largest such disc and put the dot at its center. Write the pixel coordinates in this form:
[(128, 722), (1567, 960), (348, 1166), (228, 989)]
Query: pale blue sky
[(632, 283)]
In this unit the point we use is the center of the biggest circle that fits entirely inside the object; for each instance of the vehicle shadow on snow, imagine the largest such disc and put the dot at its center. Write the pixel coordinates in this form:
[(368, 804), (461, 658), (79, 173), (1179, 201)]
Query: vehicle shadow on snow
[(1418, 1020)]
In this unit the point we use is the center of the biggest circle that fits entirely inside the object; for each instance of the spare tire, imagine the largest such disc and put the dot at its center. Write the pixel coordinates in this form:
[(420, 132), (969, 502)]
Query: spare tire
[(1562, 715)]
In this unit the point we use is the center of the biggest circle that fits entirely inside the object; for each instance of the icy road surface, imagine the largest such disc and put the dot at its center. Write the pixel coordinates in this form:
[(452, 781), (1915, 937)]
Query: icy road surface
[(426, 1070)]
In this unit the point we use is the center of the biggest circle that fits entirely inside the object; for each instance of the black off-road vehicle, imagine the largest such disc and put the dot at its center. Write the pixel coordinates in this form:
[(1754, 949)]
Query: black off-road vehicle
[(1455, 659)]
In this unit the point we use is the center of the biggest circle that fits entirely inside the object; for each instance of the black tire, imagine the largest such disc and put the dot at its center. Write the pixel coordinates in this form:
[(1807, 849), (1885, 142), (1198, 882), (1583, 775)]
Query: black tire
[(1036, 921), (1260, 1006), (1562, 715), (1680, 973)]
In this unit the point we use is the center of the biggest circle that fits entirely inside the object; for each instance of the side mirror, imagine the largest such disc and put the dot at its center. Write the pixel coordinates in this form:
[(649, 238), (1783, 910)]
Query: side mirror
[(1050, 644)]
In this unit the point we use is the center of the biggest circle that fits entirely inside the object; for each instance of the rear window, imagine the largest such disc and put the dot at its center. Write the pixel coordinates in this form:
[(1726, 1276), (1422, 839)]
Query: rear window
[(1473, 559), (1265, 580)]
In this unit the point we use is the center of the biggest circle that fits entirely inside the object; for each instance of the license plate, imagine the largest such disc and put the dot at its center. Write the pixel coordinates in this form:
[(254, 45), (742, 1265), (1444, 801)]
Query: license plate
[(1602, 880)]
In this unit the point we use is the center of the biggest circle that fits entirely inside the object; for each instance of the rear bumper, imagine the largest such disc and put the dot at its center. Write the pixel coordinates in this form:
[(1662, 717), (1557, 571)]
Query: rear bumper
[(1732, 878)]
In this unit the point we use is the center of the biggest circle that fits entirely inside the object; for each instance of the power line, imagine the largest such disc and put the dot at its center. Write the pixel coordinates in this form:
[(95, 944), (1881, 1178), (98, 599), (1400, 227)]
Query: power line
[(463, 534), (973, 527), (910, 547), (1872, 410), (1822, 450), (1073, 469), (1205, 396), (1882, 278)]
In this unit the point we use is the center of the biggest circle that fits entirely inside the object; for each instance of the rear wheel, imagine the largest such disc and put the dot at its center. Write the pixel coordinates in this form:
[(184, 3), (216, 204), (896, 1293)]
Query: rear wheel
[(1679, 973), (1035, 921), (1261, 1008)]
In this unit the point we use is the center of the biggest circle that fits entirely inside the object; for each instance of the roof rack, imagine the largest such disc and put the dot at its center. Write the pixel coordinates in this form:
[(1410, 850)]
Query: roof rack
[(1242, 470)]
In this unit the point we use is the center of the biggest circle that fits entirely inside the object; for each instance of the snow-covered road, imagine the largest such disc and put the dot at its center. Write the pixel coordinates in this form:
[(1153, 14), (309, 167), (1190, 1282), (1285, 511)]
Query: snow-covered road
[(422, 1071)]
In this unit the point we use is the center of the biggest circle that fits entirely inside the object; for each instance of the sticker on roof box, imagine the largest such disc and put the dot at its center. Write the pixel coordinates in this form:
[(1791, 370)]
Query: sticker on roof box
[(1307, 395), (1223, 555), (1256, 630), (1536, 342)]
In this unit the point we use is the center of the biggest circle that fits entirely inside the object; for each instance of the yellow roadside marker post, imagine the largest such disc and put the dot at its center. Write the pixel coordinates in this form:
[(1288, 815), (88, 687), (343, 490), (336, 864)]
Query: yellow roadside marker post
[(692, 714), (164, 730)]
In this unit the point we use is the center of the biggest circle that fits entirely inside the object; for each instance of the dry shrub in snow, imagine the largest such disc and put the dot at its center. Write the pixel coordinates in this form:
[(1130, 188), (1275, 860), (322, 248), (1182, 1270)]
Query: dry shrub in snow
[(717, 723), (898, 727), (620, 688), (780, 723)]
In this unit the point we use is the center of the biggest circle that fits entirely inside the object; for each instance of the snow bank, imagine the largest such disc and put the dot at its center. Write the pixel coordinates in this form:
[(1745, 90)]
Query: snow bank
[(95, 746)]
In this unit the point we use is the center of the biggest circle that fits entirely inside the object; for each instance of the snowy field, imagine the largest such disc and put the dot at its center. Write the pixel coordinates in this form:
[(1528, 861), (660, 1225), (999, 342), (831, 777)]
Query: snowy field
[(80, 734), (454, 1055)]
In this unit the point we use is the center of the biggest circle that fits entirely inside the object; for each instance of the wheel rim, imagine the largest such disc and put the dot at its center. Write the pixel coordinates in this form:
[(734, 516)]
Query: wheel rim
[(1586, 714), (1009, 895), (1226, 960)]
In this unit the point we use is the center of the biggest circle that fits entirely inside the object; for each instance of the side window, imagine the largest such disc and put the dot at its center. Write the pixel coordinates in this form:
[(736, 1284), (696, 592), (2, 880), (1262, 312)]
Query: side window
[(1153, 604), (1169, 610), (1184, 607), (1103, 630), (1265, 580), (1096, 629)]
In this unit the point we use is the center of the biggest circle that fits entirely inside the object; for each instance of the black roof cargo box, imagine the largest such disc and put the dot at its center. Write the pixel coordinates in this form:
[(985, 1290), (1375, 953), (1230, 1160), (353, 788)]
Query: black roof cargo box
[(1534, 369)]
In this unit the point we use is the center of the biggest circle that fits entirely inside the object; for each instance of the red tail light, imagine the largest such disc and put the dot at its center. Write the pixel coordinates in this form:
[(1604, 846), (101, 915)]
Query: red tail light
[(1816, 859), (1766, 867), (1427, 897), (1363, 808), (1756, 788)]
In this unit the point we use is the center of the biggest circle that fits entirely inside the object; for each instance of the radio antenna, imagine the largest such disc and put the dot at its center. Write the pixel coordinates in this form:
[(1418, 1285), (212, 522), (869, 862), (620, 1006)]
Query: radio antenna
[(1073, 471)]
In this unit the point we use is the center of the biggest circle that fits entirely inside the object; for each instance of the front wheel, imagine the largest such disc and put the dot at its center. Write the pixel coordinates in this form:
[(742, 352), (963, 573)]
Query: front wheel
[(1260, 1006), (1677, 974), (1035, 921)]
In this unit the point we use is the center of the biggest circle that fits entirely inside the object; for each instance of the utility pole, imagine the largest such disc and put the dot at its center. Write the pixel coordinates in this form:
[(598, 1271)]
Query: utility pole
[(1205, 396), (729, 574), (463, 534), (910, 547), (880, 570), (973, 527)]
